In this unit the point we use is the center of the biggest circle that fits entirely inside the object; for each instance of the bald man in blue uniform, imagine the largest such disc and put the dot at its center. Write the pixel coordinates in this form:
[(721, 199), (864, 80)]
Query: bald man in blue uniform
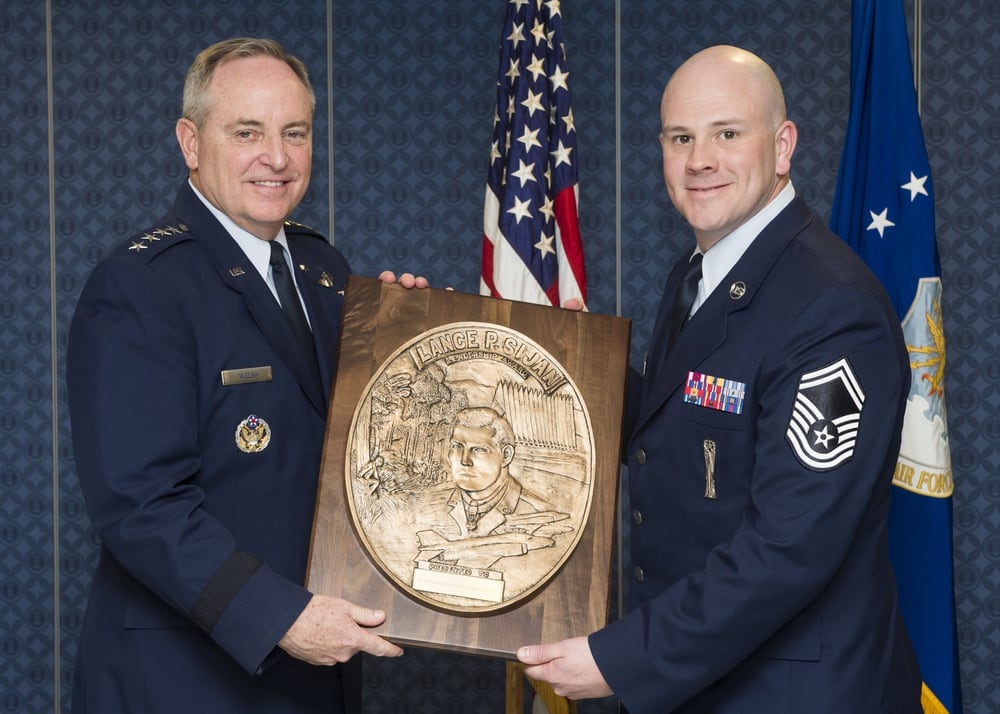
[(198, 417), (763, 438)]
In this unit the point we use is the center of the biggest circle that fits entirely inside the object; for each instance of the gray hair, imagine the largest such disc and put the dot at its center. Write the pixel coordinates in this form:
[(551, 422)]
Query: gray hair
[(196, 105)]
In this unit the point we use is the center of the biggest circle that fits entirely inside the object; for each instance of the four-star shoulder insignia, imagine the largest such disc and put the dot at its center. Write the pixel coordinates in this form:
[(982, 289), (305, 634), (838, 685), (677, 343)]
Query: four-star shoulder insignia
[(302, 229), (152, 236)]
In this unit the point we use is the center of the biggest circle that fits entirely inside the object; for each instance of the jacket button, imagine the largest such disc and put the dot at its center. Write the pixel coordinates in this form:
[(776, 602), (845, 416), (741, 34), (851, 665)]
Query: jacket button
[(640, 456), (640, 575), (637, 516)]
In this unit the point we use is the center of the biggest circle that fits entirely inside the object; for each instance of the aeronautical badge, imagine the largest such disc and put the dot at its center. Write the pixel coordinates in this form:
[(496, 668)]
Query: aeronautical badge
[(824, 425), (253, 435)]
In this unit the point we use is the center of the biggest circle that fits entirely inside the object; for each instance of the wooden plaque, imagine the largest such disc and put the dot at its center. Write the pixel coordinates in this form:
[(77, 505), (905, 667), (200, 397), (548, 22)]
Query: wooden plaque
[(470, 468)]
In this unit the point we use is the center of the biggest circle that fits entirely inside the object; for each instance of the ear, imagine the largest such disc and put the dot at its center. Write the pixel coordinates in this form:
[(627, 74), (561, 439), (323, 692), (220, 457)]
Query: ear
[(187, 137), (508, 454), (785, 140)]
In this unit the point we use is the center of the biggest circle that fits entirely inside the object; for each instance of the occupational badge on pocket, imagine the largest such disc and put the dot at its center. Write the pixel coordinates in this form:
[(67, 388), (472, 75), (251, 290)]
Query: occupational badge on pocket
[(824, 425), (253, 435)]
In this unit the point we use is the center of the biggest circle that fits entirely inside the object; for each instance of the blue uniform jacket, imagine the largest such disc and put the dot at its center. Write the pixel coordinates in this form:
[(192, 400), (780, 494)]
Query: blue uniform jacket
[(776, 595), (202, 491)]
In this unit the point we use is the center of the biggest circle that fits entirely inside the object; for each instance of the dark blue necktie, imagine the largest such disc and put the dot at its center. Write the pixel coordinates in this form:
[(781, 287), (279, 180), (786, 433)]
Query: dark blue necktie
[(686, 293), (289, 299)]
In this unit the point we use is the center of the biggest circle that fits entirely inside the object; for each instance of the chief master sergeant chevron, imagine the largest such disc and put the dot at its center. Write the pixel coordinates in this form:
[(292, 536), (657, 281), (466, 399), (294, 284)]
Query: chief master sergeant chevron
[(198, 417), (762, 444)]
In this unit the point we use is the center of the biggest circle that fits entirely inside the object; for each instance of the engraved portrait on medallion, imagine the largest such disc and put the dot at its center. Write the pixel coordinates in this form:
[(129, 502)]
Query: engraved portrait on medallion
[(469, 467)]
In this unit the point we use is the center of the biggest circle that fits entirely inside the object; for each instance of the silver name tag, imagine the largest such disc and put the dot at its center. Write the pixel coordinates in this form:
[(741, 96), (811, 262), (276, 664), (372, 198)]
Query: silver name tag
[(247, 375)]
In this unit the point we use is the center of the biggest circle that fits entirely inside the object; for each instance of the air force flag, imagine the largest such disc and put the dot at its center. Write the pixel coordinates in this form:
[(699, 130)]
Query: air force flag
[(884, 209)]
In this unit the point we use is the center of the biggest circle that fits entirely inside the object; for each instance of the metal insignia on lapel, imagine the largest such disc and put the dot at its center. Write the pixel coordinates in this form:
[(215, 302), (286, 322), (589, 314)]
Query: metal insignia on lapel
[(237, 271), (737, 290), (253, 434), (325, 280)]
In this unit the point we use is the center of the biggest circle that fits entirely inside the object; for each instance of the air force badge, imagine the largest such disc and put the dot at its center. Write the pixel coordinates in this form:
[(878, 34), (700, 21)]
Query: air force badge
[(253, 434), (824, 425)]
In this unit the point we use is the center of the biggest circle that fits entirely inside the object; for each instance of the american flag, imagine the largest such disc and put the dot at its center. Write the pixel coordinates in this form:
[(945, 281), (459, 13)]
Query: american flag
[(531, 237)]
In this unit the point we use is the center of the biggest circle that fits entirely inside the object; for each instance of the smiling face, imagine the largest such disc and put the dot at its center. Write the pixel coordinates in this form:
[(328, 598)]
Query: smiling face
[(726, 144), (252, 156)]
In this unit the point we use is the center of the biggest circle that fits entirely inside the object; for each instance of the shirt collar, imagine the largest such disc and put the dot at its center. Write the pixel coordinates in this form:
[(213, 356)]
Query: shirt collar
[(722, 256), (257, 250)]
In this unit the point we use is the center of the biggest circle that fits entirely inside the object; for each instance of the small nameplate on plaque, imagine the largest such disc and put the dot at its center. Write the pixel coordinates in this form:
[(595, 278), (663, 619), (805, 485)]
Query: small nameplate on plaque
[(459, 581)]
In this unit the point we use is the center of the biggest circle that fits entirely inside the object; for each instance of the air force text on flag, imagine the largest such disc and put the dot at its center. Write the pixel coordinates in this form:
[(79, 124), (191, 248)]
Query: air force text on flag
[(531, 238), (884, 208)]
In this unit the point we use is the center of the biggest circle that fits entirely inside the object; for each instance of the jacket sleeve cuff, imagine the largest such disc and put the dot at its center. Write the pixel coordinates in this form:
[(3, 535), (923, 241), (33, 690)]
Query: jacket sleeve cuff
[(247, 608)]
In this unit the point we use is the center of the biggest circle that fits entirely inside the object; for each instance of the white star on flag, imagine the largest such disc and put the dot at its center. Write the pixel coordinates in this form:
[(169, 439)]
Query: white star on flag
[(544, 245), (537, 68), (915, 186), (521, 209), (525, 172), (532, 103), (561, 154), (558, 79), (517, 34), (880, 222)]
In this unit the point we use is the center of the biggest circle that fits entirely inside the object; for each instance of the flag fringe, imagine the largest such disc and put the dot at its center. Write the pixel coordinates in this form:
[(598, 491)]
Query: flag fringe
[(930, 703)]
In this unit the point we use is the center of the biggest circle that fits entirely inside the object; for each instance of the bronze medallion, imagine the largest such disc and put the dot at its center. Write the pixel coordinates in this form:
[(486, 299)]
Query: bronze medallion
[(469, 467)]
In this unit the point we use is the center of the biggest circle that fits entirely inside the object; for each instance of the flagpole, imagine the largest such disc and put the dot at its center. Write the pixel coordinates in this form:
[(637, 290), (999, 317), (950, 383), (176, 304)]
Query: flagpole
[(917, 52), (619, 546), (618, 163), (329, 119)]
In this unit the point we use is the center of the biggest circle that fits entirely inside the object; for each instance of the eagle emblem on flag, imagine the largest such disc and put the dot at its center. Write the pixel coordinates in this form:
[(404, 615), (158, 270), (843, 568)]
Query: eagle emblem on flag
[(823, 428)]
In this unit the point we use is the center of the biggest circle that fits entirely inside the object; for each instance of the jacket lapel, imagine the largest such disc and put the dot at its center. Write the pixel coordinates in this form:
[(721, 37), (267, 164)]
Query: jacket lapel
[(316, 286), (656, 355), (706, 331), (228, 259)]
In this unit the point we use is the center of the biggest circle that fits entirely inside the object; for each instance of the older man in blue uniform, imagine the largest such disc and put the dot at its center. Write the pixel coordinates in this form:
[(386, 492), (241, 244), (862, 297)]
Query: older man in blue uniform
[(763, 439), (198, 410)]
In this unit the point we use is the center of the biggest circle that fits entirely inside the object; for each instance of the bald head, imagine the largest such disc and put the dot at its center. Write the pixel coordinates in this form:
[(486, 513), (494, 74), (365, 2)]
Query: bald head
[(727, 143), (725, 66)]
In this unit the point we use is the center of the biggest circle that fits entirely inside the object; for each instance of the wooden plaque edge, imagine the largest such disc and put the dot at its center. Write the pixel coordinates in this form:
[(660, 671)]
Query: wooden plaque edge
[(378, 318)]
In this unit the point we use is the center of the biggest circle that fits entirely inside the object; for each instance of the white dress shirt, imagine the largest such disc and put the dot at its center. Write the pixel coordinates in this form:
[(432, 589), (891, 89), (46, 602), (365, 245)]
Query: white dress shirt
[(722, 256)]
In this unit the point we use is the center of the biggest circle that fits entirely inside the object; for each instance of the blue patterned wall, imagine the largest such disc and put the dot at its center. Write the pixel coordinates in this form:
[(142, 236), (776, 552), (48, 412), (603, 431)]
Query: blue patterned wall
[(26, 379), (90, 90)]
